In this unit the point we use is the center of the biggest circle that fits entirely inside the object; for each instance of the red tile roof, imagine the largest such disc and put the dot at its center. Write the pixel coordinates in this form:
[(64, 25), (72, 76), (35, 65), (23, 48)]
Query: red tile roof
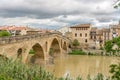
[(13, 28)]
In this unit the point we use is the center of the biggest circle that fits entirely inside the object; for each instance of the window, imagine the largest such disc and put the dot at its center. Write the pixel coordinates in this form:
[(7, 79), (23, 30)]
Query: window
[(86, 40), (80, 34), (75, 34), (85, 34)]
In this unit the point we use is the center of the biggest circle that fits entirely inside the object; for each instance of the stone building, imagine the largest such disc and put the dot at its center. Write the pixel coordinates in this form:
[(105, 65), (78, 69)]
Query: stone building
[(107, 34), (115, 29), (81, 32), (96, 37)]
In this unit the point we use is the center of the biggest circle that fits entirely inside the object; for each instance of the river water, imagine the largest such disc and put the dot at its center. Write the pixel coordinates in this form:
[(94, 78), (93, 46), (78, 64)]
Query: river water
[(81, 65)]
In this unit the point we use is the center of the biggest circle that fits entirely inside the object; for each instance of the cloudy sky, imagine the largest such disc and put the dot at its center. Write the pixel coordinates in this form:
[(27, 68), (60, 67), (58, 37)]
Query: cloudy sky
[(52, 14)]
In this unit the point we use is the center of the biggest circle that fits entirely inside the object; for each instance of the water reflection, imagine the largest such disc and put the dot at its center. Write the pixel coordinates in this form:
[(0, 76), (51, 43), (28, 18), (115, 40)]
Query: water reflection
[(76, 65)]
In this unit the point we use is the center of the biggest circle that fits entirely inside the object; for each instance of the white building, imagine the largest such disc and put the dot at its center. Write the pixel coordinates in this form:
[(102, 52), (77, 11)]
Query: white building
[(63, 30)]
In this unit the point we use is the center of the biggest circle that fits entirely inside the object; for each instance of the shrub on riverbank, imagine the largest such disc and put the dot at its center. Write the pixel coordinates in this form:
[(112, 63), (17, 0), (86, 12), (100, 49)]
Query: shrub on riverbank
[(77, 52), (15, 70), (10, 70)]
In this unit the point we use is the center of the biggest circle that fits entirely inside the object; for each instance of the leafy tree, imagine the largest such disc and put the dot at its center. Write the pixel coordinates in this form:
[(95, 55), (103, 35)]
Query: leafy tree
[(4, 33), (108, 45), (118, 41), (76, 43), (115, 71), (117, 4)]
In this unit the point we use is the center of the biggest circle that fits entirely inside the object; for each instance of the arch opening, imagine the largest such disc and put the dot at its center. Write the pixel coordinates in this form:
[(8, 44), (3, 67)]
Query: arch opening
[(46, 46), (54, 48), (36, 54), (19, 53), (65, 46)]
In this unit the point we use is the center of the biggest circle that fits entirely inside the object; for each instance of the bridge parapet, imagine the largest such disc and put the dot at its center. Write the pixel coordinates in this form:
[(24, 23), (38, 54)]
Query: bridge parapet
[(13, 39)]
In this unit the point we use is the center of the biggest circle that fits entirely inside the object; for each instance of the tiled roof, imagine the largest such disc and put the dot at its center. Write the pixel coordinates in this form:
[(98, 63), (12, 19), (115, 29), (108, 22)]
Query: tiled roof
[(94, 29), (81, 25), (13, 28)]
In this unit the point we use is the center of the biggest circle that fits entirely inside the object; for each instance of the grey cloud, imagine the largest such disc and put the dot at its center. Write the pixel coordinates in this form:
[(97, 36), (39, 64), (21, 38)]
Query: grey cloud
[(49, 9)]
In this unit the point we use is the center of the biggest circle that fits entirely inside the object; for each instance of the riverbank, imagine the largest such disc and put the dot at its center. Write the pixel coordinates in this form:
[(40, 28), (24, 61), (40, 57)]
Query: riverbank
[(93, 53)]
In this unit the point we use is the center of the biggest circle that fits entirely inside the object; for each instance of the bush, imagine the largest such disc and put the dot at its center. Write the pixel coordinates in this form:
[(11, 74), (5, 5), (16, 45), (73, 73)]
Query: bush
[(77, 52), (10, 70), (115, 71), (32, 51), (76, 43), (4, 33)]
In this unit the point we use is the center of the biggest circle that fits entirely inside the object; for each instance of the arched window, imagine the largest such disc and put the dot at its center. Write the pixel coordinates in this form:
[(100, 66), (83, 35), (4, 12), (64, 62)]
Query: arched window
[(85, 34), (86, 40), (80, 34), (75, 34)]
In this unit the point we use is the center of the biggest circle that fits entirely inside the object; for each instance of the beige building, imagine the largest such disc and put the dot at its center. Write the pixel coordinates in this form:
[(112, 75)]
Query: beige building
[(115, 29), (107, 34), (81, 32)]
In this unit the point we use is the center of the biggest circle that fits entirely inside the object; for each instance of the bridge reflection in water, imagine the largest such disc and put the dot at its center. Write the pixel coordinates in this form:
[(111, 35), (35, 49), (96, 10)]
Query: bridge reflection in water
[(76, 65)]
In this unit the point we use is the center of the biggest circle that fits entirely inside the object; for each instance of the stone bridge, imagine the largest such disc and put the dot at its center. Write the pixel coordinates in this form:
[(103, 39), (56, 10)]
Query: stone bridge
[(44, 46)]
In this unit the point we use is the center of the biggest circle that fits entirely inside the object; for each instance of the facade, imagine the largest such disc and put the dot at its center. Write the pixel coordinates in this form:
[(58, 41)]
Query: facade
[(115, 29), (81, 32), (96, 37), (63, 30)]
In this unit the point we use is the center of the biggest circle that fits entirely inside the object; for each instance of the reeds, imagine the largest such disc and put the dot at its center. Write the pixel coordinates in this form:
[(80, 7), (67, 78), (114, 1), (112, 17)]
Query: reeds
[(15, 70)]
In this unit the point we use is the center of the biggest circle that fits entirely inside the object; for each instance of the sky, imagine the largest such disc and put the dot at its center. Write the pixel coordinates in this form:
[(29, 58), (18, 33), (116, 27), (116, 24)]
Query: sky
[(53, 14)]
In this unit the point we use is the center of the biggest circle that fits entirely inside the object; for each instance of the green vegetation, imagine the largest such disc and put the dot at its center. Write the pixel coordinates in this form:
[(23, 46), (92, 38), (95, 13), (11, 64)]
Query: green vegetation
[(32, 51), (51, 51), (10, 70), (115, 71), (109, 45), (15, 70), (117, 5), (77, 52), (4, 33), (76, 43)]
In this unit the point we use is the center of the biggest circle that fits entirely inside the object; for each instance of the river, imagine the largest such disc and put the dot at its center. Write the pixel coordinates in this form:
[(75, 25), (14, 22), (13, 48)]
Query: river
[(82, 65)]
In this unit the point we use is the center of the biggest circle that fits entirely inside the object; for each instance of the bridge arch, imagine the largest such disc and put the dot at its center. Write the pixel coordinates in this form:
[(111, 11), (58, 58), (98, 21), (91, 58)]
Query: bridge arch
[(37, 53), (55, 48), (46, 46), (65, 46), (19, 53)]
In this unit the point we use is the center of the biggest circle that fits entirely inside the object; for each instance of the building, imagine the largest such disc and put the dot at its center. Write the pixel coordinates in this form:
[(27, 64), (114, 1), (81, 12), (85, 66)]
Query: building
[(63, 30), (15, 30), (81, 32), (96, 37), (115, 29)]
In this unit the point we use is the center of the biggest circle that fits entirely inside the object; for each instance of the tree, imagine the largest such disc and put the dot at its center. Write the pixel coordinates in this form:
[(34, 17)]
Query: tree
[(115, 71), (117, 4), (108, 46), (76, 43), (4, 33)]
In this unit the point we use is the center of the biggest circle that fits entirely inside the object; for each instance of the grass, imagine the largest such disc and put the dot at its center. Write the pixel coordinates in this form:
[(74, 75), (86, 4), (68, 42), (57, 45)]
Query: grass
[(77, 52)]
